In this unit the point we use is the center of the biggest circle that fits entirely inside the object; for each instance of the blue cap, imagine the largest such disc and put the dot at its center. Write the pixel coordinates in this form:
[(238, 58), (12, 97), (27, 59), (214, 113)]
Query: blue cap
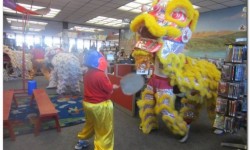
[(95, 59)]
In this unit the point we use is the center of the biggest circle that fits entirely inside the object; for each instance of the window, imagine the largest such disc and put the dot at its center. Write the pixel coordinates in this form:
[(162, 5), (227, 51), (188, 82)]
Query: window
[(79, 44), (29, 40), (48, 41), (72, 43), (37, 40), (56, 41), (19, 40), (86, 44), (99, 45)]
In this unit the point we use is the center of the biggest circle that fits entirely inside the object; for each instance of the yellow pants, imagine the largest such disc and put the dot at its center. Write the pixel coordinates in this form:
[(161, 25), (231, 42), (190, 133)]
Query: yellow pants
[(99, 122)]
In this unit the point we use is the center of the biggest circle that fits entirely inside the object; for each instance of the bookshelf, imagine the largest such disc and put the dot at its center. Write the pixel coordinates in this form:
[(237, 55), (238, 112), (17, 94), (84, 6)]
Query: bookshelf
[(231, 104)]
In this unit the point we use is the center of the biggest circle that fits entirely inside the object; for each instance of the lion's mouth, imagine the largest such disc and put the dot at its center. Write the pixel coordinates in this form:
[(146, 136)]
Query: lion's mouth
[(147, 41), (144, 33)]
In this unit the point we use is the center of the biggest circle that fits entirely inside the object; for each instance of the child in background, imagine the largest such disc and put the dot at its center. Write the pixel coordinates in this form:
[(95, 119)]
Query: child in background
[(97, 105)]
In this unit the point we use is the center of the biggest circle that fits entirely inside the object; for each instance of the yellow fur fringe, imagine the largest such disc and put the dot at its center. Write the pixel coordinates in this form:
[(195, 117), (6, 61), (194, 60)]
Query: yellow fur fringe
[(154, 28)]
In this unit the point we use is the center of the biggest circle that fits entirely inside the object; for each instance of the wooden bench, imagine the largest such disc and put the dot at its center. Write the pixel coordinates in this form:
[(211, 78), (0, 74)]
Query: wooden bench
[(46, 109), (8, 96)]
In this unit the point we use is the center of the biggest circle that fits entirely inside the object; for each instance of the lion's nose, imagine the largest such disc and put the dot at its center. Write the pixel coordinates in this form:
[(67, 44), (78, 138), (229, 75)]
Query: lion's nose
[(143, 31)]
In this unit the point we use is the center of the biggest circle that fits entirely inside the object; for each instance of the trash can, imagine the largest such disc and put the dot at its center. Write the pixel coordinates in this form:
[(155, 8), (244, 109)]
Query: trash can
[(31, 86)]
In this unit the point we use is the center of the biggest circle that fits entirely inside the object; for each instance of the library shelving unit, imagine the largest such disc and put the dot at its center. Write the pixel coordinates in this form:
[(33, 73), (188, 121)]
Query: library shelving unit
[(231, 104)]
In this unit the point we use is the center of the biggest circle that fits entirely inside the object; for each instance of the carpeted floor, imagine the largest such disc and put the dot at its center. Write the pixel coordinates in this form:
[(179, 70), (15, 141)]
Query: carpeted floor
[(24, 117), (127, 135)]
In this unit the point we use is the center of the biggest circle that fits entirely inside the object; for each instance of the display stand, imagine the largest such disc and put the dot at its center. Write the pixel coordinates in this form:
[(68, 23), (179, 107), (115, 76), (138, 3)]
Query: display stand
[(231, 105)]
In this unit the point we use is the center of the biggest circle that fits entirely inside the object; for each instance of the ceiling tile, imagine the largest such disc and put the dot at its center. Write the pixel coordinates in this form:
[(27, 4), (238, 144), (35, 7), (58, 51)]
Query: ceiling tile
[(221, 1), (234, 3), (84, 10), (205, 3), (196, 1), (90, 6), (97, 2), (103, 9), (122, 2), (58, 6), (74, 5), (216, 6), (43, 4), (80, 1), (110, 14), (80, 11), (202, 9), (61, 1), (112, 5)]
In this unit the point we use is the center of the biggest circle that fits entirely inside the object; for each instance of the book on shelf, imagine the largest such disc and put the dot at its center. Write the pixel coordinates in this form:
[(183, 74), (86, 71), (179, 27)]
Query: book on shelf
[(245, 88), (229, 124), (239, 72), (242, 89), (244, 51), (223, 88), (229, 54), (233, 90), (235, 54), (244, 104), (221, 105), (232, 107), (226, 71), (219, 121)]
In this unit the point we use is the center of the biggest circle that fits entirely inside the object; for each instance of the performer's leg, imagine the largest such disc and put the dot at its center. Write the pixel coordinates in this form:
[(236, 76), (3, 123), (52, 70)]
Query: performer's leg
[(75, 87), (146, 110), (88, 129), (34, 69), (104, 125), (189, 112), (61, 87), (45, 70), (53, 79), (210, 105), (165, 107)]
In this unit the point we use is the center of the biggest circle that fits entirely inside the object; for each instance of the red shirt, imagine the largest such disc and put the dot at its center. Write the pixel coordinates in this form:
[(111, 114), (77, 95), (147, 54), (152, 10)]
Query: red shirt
[(97, 86)]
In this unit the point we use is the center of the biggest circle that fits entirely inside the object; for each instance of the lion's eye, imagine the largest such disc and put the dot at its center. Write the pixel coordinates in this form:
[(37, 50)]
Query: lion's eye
[(179, 15)]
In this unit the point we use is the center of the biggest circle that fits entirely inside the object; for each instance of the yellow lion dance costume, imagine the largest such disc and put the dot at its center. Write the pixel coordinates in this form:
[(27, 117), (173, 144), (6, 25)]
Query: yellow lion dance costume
[(162, 32)]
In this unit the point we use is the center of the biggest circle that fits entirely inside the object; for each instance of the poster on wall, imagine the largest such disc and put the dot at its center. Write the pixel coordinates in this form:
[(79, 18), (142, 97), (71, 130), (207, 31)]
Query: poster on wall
[(214, 30)]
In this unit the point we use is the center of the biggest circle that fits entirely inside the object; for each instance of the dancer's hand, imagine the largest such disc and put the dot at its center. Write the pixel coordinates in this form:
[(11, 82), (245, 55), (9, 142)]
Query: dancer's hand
[(115, 86)]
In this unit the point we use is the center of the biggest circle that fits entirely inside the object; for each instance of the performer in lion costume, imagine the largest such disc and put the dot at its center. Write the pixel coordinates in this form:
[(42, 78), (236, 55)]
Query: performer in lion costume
[(66, 72), (161, 34)]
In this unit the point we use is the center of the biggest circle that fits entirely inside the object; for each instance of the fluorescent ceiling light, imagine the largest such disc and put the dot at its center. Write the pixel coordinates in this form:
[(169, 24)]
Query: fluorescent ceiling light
[(86, 29), (125, 8), (135, 6), (196, 7), (143, 1), (136, 11), (52, 13), (9, 20), (32, 25), (100, 20), (21, 28)]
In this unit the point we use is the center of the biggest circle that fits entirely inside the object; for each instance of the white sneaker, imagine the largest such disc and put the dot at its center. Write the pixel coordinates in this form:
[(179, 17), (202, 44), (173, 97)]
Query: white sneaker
[(184, 139), (218, 131), (81, 144)]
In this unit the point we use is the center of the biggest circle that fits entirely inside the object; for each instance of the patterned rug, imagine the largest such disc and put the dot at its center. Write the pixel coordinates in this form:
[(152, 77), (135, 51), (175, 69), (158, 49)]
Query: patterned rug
[(23, 118)]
